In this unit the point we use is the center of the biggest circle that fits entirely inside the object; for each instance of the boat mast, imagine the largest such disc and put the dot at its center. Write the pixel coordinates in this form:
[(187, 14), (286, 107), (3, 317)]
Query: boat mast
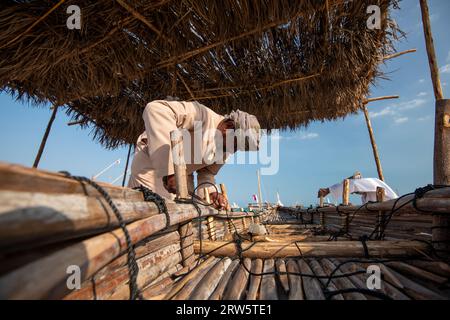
[(259, 188)]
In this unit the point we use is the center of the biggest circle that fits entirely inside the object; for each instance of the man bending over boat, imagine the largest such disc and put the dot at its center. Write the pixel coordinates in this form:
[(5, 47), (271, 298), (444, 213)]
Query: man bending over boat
[(212, 138)]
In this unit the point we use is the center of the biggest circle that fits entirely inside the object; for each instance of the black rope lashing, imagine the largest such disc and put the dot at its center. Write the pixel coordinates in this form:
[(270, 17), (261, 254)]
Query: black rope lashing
[(150, 196), (364, 240), (133, 268)]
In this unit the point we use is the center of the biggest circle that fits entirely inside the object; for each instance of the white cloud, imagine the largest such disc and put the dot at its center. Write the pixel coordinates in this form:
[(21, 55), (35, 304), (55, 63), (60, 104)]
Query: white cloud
[(426, 118), (408, 105), (395, 109), (401, 120), (385, 112), (422, 94), (445, 69), (302, 136), (308, 136), (422, 81)]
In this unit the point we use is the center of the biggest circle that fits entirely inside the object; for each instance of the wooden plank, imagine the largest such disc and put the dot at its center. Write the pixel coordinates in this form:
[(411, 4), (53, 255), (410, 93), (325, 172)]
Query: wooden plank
[(282, 276), (295, 281), (220, 289), (268, 250), (34, 281), (268, 290), (235, 289), (255, 281), (311, 286), (208, 284)]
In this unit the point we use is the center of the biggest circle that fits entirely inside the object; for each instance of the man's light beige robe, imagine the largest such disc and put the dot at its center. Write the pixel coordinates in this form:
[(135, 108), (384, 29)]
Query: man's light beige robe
[(153, 156)]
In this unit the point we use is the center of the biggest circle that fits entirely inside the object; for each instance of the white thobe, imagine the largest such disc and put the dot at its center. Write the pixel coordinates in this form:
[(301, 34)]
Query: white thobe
[(153, 155)]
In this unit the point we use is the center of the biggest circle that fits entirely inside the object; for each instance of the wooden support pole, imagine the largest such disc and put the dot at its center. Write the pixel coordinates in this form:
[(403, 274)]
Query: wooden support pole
[(187, 243), (367, 101), (126, 166), (373, 143), (210, 220), (322, 216), (345, 202), (441, 223), (176, 138), (434, 69), (185, 230), (346, 192), (45, 137), (381, 193), (223, 189), (398, 54)]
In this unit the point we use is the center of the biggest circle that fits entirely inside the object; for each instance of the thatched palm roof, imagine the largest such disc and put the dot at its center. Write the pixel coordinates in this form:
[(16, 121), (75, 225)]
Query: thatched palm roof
[(289, 62)]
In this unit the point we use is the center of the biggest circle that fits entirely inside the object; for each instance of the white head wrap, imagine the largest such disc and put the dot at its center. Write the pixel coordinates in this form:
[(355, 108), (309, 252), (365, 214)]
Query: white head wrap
[(248, 130)]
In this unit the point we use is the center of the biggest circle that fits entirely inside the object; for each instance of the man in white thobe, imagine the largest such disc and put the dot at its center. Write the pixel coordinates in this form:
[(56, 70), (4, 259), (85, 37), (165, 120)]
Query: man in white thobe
[(152, 165)]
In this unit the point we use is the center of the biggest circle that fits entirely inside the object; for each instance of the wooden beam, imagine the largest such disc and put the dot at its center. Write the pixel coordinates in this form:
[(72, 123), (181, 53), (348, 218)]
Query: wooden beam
[(374, 144), (176, 138), (45, 137), (346, 192), (398, 54), (369, 100), (126, 165), (441, 223), (355, 249), (434, 69), (45, 278)]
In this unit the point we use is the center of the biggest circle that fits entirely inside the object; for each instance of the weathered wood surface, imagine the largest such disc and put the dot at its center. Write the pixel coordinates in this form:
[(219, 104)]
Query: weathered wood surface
[(255, 280), (269, 250), (268, 290), (295, 281), (236, 287), (220, 289), (435, 201), (311, 286), (187, 243), (209, 283), (33, 281), (41, 218)]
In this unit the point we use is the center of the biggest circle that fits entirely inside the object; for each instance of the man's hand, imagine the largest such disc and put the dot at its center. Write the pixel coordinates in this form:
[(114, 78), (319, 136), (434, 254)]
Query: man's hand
[(170, 184), (323, 192), (219, 201)]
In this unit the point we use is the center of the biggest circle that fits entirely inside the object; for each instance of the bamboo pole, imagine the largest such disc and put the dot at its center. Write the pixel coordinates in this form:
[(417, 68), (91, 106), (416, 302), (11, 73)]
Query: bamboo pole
[(223, 189), (441, 224), (176, 138), (373, 143), (45, 137), (398, 54), (381, 193), (346, 192), (126, 166), (367, 101), (429, 42)]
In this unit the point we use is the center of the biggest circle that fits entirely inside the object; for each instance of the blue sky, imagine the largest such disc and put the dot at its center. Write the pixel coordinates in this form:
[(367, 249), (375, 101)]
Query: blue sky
[(318, 156)]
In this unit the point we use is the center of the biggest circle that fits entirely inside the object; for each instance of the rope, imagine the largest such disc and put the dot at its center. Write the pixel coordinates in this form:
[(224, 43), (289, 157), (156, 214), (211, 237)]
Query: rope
[(133, 268), (150, 196)]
